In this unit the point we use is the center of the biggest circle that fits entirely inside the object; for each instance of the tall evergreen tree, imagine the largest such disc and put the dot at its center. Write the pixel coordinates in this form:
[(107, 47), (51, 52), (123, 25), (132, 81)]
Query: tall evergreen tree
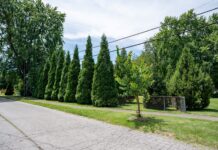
[(51, 76), (72, 80), (104, 92), (64, 75), (84, 88), (120, 69), (190, 81), (43, 80), (60, 63)]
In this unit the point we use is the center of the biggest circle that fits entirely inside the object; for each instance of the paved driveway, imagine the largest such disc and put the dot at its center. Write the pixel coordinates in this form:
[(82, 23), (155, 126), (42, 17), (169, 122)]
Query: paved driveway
[(26, 127)]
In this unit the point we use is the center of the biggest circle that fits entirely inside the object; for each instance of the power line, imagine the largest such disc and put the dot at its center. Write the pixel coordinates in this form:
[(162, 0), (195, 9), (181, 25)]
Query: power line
[(204, 4), (142, 32), (207, 11), (151, 40)]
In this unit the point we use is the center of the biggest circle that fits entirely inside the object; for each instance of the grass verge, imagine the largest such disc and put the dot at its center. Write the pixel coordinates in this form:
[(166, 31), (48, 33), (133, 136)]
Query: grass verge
[(189, 130)]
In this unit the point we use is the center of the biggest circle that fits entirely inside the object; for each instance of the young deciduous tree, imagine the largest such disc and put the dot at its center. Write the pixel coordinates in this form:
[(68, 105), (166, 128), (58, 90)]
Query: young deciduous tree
[(136, 81), (84, 88), (72, 79), (64, 75), (60, 63), (104, 92), (190, 81), (51, 76)]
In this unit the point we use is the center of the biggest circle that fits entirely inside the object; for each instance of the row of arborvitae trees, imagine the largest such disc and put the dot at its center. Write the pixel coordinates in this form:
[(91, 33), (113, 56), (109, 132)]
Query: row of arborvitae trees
[(98, 84), (61, 78)]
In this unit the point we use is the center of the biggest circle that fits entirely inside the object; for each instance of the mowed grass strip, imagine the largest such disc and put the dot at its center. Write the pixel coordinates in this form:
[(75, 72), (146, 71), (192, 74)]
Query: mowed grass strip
[(211, 110), (189, 130)]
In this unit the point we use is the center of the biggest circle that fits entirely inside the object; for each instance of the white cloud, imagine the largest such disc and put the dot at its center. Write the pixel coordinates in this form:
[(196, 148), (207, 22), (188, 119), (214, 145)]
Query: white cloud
[(117, 18)]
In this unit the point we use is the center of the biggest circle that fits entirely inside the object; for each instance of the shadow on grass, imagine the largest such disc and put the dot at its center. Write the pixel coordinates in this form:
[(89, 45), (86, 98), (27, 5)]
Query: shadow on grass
[(148, 124), (210, 110), (205, 110)]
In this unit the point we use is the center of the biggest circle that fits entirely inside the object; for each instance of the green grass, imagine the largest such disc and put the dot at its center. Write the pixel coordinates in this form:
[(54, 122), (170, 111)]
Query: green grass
[(211, 110), (189, 130)]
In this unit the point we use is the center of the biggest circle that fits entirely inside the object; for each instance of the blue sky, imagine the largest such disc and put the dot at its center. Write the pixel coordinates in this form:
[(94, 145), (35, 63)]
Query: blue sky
[(118, 18)]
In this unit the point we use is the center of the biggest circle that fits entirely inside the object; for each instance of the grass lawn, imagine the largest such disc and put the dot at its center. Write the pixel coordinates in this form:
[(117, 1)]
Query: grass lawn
[(189, 130), (211, 110)]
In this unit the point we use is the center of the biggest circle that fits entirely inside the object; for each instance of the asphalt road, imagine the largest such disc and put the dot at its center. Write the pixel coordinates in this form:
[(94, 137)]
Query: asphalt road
[(29, 127)]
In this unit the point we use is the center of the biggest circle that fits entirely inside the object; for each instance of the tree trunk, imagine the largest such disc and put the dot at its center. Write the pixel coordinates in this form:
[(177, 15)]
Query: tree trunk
[(138, 112)]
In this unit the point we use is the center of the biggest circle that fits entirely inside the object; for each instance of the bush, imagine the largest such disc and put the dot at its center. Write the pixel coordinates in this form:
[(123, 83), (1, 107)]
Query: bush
[(190, 81)]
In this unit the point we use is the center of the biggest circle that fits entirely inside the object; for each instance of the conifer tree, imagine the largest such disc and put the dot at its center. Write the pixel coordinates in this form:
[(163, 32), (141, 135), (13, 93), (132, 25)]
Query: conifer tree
[(104, 92), (190, 81), (84, 88), (64, 75), (58, 71), (51, 77), (72, 79), (120, 69), (43, 80)]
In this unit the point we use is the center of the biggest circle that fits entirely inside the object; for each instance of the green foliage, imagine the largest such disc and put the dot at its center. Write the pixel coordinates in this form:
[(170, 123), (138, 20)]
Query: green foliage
[(43, 80), (104, 91), (213, 38), (146, 97), (11, 79), (84, 88), (190, 81), (19, 87), (9, 89), (137, 79), (120, 70), (29, 31), (72, 79), (51, 76), (59, 63), (64, 75), (174, 35), (147, 55)]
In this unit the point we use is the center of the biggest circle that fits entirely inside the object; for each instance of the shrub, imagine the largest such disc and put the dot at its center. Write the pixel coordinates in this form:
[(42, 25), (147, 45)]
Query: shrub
[(190, 81)]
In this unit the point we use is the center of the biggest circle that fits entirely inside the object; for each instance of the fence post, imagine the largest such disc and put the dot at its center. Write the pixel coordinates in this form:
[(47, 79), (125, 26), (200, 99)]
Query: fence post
[(182, 104)]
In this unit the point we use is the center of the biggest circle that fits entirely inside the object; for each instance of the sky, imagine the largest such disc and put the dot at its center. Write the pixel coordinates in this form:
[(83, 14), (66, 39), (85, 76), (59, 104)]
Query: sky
[(118, 18)]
